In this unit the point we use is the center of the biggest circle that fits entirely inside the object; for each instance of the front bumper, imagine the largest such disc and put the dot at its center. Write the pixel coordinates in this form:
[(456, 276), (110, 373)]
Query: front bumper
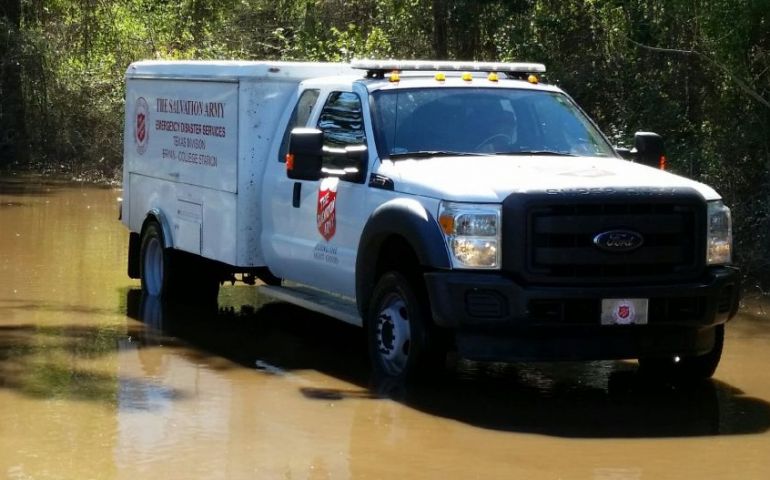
[(496, 318)]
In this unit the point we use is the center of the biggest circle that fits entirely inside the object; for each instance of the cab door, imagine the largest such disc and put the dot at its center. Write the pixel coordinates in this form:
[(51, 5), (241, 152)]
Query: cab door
[(316, 237)]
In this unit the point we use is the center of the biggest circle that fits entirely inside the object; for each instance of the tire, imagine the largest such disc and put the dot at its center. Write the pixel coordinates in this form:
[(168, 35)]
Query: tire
[(696, 367), (397, 330), (155, 265), (172, 275)]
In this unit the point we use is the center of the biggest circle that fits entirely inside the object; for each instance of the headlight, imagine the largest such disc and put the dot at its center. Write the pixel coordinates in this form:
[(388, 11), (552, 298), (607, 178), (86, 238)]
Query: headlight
[(719, 249), (472, 234)]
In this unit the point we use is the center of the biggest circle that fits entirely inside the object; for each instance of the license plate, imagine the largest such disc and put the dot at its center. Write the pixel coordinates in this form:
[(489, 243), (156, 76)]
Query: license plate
[(624, 311)]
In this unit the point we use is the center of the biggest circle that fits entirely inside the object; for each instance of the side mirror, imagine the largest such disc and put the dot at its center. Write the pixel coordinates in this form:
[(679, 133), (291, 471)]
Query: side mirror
[(649, 150), (303, 162)]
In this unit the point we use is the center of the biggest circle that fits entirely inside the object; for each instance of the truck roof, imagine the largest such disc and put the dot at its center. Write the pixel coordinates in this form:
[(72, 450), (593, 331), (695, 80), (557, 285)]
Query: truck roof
[(413, 77), (233, 70)]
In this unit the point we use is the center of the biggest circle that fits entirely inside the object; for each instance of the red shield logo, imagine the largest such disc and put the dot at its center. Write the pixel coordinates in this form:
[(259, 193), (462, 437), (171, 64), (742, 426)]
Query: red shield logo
[(141, 134), (140, 128), (624, 311), (326, 213)]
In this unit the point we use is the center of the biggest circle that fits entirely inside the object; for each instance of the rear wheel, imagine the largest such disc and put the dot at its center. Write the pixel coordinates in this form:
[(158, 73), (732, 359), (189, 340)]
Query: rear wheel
[(397, 332), (155, 262), (174, 275), (696, 367)]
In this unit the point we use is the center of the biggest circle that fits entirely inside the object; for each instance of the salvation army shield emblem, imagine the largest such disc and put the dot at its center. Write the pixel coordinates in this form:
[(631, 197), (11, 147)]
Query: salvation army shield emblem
[(326, 212), (141, 132), (624, 313)]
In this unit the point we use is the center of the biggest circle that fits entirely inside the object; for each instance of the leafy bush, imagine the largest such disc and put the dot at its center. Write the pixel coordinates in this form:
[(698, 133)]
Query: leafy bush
[(698, 76)]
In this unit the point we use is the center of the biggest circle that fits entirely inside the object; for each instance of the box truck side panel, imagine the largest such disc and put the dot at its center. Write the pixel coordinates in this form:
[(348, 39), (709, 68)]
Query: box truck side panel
[(219, 223), (199, 220), (183, 131)]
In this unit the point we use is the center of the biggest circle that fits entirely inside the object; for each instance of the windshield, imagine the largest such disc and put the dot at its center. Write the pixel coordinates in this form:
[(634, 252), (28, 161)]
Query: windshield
[(481, 121)]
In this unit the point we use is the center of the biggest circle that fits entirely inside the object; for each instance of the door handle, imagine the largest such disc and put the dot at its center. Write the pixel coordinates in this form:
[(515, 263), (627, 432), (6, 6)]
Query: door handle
[(297, 195)]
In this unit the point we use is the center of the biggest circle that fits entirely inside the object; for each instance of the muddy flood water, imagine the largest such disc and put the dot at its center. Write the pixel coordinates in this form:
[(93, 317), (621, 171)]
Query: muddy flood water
[(97, 382)]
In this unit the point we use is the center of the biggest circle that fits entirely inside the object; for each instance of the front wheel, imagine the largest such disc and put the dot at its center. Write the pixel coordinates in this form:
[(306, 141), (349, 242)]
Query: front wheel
[(696, 367), (397, 332)]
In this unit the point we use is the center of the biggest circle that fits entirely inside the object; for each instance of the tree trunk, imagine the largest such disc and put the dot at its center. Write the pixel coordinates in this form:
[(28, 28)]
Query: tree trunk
[(13, 138), (440, 50)]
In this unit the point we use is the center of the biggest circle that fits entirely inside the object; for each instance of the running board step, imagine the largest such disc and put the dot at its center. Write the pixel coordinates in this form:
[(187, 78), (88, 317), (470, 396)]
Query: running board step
[(315, 300)]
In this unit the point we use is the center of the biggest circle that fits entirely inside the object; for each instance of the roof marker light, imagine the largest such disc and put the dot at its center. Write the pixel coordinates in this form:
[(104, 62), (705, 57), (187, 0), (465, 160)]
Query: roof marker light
[(394, 76), (467, 76), (440, 77), (493, 77), (533, 79)]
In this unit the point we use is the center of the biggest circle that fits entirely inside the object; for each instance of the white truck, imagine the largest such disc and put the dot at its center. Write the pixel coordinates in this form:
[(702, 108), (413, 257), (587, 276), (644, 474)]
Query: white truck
[(439, 205)]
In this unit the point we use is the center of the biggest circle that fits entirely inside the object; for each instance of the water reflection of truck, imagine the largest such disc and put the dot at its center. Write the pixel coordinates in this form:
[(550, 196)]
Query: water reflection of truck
[(438, 205), (181, 409)]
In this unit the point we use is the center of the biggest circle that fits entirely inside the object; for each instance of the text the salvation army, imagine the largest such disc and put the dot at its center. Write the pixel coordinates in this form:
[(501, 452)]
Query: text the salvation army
[(194, 108)]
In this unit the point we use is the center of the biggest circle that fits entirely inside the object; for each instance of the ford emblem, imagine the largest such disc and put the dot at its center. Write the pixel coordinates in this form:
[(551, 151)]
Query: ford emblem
[(618, 240)]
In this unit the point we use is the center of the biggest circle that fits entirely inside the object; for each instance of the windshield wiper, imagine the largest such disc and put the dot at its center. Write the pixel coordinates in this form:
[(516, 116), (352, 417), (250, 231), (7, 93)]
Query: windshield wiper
[(537, 152), (434, 153)]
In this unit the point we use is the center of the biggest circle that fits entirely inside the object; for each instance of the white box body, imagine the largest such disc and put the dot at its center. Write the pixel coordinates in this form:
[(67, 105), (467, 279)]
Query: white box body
[(196, 139)]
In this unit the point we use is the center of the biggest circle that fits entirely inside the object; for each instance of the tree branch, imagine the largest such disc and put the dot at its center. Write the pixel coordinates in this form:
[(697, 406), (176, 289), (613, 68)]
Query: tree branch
[(741, 84)]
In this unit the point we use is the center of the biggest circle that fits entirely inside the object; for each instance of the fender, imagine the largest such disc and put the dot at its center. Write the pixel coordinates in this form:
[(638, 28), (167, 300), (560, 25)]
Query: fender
[(157, 215), (408, 219)]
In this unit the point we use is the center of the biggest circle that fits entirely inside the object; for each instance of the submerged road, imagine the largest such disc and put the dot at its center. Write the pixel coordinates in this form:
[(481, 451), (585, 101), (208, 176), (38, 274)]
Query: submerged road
[(98, 382)]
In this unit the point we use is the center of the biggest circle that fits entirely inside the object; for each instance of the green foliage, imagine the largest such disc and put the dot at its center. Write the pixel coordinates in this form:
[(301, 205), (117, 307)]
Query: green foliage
[(701, 85)]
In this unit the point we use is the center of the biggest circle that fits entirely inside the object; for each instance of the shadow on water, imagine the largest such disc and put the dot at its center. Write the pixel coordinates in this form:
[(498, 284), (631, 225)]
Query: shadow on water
[(276, 337), (620, 403), (52, 362), (579, 400)]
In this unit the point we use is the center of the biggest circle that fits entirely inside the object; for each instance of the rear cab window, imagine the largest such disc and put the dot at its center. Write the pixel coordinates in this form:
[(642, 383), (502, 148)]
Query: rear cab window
[(299, 118)]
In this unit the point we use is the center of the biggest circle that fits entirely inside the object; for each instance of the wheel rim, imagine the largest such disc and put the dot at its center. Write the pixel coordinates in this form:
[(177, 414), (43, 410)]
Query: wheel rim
[(393, 334), (153, 266)]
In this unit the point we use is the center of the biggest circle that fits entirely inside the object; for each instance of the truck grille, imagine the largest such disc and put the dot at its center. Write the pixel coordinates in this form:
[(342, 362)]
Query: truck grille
[(559, 239)]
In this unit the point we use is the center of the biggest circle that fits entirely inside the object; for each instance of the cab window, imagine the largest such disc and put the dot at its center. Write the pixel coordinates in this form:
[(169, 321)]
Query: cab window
[(342, 122)]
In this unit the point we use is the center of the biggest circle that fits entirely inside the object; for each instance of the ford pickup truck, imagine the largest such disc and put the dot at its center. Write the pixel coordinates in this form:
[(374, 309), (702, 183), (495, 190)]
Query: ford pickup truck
[(441, 206)]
